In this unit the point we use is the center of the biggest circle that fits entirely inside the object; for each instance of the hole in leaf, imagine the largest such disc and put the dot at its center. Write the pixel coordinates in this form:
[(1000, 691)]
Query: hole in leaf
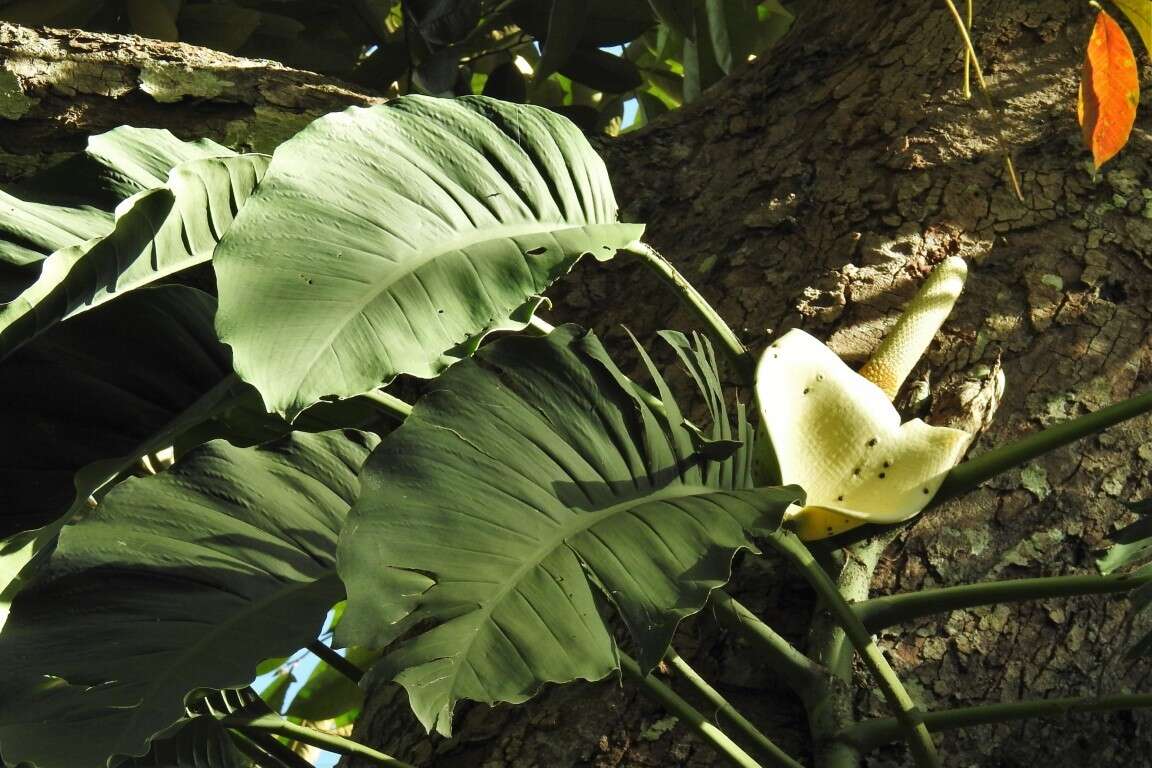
[(882, 475), (539, 250), (872, 442)]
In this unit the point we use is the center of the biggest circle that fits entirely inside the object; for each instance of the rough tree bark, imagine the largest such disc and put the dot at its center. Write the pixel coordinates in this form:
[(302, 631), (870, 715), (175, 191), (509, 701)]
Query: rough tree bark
[(813, 190)]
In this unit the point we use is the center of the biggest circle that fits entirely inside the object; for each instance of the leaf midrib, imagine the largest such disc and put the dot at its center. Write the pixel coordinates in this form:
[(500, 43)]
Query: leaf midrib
[(579, 523), (379, 287)]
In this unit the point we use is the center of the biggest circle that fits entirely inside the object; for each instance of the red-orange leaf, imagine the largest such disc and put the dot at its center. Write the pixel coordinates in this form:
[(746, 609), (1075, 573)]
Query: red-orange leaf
[(1109, 90)]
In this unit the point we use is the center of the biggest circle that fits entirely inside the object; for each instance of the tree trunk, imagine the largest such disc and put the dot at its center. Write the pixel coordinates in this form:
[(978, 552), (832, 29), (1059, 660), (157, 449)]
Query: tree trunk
[(813, 190)]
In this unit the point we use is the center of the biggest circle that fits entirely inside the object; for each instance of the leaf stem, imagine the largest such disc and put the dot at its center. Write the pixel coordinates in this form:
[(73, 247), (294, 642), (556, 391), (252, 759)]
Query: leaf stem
[(269, 752), (276, 725), (764, 746), (969, 474), (332, 658), (691, 717), (735, 348), (389, 404), (800, 673), (874, 733), (907, 715), (881, 612)]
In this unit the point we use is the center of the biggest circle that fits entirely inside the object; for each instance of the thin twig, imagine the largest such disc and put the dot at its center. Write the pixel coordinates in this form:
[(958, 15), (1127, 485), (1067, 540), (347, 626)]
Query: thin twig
[(986, 93)]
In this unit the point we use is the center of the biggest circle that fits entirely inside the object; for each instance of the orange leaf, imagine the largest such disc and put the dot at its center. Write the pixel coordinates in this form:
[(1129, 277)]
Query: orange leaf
[(1109, 90)]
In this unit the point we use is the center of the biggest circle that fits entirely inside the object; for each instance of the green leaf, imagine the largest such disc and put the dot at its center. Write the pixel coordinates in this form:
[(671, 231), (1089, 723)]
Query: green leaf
[(565, 26), (675, 14), (197, 742), (732, 25), (328, 694), (98, 392), (606, 22), (506, 82), (175, 582), (31, 231), (149, 18), (383, 237), (276, 692), (602, 71), (701, 70), (129, 160), (526, 474), (1133, 549), (213, 25), (157, 233)]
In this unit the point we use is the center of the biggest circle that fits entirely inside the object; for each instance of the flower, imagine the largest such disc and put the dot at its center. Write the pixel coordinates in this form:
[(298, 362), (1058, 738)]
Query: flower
[(835, 432)]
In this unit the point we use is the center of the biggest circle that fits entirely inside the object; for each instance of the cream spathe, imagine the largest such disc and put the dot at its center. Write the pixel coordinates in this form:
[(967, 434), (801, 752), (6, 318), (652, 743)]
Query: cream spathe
[(836, 434)]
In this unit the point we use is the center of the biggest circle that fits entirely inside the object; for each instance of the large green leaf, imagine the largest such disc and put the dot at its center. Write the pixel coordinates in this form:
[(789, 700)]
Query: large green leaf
[(179, 581), (73, 202), (383, 237), (523, 476), (732, 25), (95, 391), (31, 231), (157, 233)]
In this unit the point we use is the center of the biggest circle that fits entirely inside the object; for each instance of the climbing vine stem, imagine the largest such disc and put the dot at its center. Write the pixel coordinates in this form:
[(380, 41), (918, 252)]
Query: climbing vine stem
[(907, 714)]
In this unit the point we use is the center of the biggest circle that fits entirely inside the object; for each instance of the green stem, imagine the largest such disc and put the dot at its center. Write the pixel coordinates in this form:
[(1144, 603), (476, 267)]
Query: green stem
[(771, 753), (274, 754), (964, 477), (694, 299), (881, 612), (799, 672), (332, 658), (276, 725), (874, 733), (389, 404), (907, 714), (727, 748)]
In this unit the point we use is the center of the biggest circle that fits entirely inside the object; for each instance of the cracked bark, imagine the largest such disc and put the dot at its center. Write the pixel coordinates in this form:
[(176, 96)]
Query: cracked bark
[(813, 190)]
